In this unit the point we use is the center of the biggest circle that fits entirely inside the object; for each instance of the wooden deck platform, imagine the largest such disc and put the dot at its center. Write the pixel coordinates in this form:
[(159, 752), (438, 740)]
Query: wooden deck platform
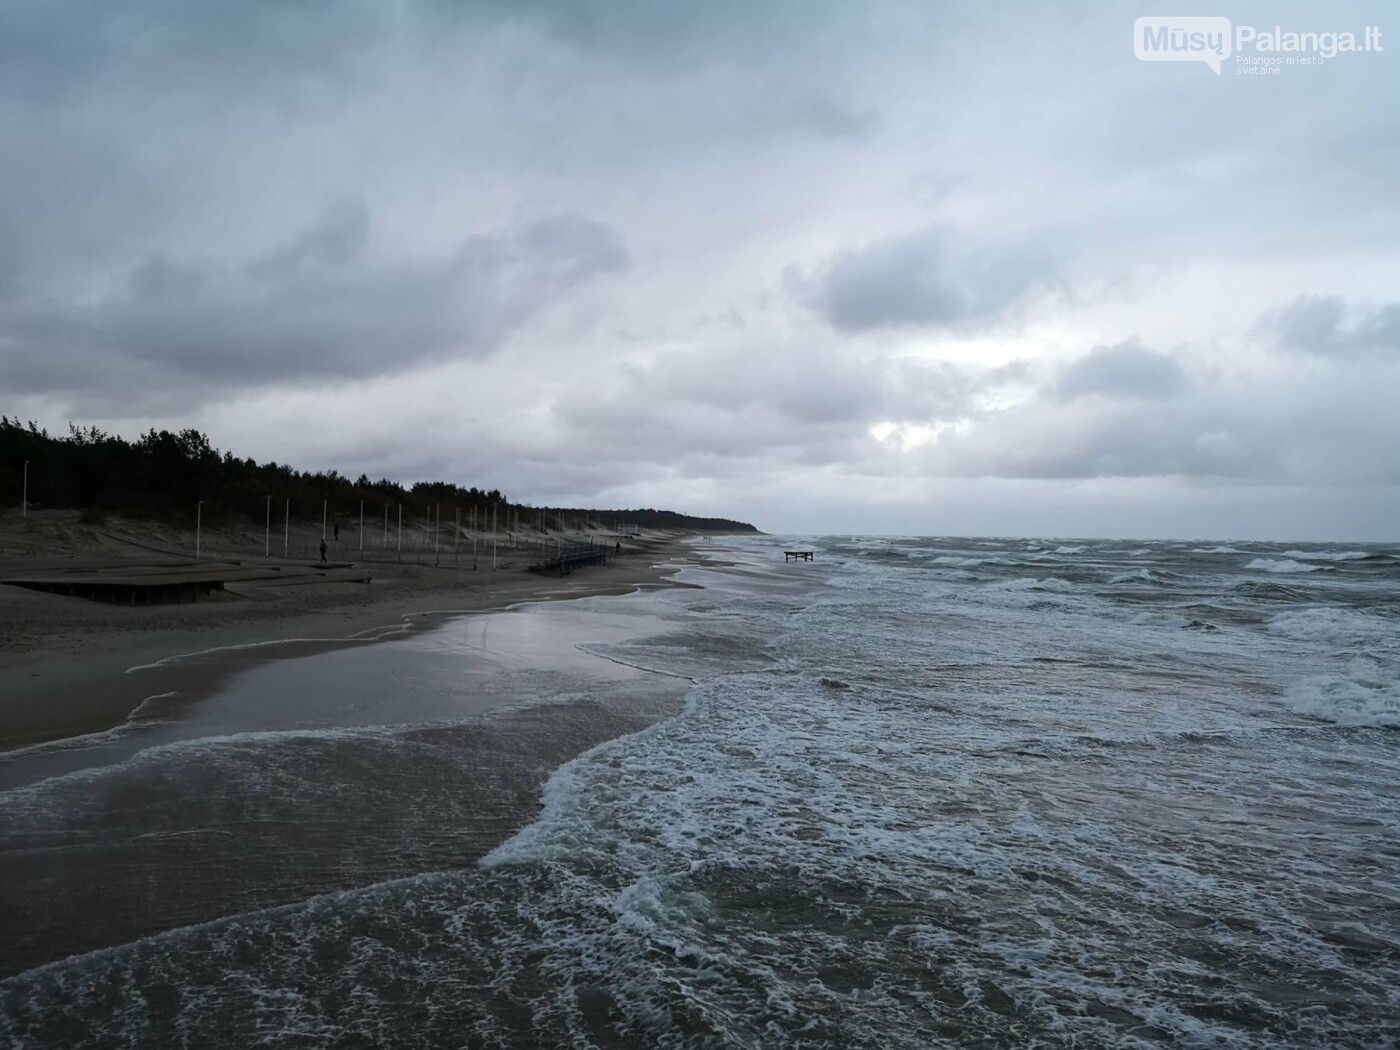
[(572, 556), (153, 582)]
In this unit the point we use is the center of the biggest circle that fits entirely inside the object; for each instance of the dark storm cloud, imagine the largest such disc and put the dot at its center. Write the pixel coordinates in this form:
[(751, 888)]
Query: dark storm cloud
[(334, 238), (926, 279), (166, 254), (1128, 370), (51, 52), (314, 309), (1326, 326)]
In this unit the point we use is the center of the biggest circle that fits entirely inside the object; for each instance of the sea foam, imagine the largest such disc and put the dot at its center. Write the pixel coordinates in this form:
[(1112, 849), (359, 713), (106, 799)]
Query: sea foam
[(1327, 555), (1332, 625), (1280, 565), (1364, 696)]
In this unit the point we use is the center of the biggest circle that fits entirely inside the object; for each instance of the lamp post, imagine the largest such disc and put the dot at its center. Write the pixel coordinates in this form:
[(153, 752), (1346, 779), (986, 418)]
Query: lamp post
[(24, 499), (198, 522), (267, 530)]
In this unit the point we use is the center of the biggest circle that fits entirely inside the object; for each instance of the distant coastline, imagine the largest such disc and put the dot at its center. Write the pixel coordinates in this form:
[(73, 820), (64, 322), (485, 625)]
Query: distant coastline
[(181, 478)]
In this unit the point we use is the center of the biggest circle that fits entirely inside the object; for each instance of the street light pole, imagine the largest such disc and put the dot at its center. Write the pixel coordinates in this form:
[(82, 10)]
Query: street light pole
[(267, 530), (24, 499), (198, 521)]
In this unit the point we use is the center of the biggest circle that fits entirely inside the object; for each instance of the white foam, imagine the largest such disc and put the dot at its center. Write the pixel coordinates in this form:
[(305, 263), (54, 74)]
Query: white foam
[(1333, 625), (1326, 555), (1216, 550), (269, 643), (1136, 576), (1286, 565), (1070, 550), (1030, 583), (1364, 696)]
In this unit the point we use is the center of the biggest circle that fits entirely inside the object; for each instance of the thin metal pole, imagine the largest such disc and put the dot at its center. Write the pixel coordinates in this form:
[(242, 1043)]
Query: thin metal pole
[(400, 554), (495, 537), (437, 534), (324, 502), (362, 526), (24, 499), (198, 521), (267, 530), (456, 533), (287, 527), (385, 544)]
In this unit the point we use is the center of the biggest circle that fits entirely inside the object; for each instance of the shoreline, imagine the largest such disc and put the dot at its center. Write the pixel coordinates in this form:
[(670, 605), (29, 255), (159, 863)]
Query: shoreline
[(85, 667)]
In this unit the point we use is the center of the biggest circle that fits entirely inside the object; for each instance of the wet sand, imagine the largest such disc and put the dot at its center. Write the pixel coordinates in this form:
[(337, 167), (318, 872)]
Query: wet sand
[(64, 661), (395, 738)]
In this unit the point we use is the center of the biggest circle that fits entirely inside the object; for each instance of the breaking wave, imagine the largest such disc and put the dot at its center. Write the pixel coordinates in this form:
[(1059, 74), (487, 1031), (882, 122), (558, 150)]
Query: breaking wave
[(1366, 695), (1328, 555), (1332, 625), (1280, 565)]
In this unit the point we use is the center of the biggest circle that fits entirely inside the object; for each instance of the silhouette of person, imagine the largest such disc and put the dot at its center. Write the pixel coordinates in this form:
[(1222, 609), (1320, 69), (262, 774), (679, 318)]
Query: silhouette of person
[(337, 532), (323, 550)]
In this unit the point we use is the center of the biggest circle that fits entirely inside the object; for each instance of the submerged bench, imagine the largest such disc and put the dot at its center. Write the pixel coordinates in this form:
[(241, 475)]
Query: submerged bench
[(798, 555)]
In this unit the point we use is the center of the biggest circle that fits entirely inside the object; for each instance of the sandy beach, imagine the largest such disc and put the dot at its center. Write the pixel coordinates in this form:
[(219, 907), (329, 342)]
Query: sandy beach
[(63, 660), (330, 685)]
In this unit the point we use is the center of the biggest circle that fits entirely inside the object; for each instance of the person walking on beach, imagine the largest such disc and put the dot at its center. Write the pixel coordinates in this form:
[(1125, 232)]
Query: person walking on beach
[(337, 533), (323, 550)]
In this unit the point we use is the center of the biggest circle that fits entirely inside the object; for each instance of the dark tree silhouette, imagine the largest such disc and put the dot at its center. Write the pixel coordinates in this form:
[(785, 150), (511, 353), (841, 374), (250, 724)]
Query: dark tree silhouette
[(162, 474)]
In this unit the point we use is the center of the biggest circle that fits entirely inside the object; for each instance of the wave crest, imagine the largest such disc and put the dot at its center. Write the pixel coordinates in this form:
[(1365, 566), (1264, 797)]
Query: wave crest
[(1280, 565)]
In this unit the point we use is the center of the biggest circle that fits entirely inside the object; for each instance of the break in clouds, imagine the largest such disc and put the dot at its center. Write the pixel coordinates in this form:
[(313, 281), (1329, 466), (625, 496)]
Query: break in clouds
[(823, 267)]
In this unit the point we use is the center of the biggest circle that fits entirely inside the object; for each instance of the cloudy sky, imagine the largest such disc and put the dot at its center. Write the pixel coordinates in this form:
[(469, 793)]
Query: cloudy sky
[(889, 267)]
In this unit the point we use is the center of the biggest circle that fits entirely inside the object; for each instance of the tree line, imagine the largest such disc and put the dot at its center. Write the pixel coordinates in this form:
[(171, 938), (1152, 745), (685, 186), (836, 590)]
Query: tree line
[(161, 474)]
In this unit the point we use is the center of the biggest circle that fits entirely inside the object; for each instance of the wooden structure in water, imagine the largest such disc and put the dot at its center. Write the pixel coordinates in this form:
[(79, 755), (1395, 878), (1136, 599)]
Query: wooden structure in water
[(798, 555), (570, 556)]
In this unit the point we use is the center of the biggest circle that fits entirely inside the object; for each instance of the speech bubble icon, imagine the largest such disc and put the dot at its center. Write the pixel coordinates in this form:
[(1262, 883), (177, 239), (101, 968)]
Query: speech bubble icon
[(1183, 38)]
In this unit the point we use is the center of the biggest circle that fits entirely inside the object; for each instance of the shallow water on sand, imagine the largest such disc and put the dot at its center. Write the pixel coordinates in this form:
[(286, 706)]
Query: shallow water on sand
[(921, 792)]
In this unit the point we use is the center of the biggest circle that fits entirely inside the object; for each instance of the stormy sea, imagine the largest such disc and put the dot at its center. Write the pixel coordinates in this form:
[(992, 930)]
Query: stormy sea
[(918, 792)]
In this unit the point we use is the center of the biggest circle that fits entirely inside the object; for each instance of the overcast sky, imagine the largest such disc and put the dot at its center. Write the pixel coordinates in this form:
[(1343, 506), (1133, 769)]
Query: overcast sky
[(905, 267)]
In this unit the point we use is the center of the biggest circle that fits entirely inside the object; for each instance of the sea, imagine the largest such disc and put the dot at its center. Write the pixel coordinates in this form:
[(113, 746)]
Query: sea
[(916, 792)]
